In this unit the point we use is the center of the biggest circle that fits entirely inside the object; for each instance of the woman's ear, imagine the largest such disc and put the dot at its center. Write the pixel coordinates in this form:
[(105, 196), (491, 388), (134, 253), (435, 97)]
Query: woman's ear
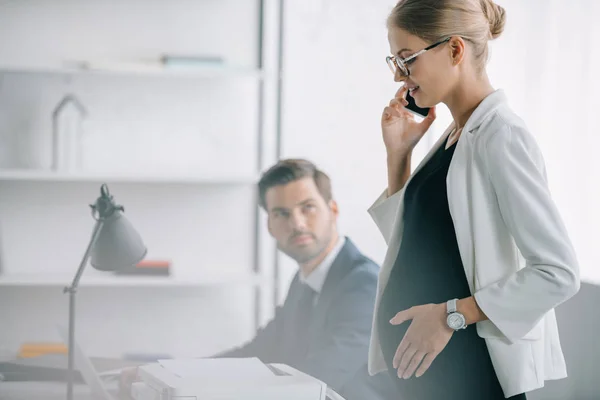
[(457, 48)]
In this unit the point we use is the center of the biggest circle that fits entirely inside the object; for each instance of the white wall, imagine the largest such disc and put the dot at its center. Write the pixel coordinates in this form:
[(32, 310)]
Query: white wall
[(135, 124)]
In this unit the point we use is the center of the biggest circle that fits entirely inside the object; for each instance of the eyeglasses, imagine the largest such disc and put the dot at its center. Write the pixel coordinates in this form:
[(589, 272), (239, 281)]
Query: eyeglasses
[(400, 65)]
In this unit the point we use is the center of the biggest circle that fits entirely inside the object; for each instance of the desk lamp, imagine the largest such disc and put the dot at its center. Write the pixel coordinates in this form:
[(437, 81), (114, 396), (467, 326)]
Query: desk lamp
[(114, 245)]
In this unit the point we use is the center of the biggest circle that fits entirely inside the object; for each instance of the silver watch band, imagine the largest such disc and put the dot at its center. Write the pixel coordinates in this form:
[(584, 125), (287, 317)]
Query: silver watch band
[(451, 306)]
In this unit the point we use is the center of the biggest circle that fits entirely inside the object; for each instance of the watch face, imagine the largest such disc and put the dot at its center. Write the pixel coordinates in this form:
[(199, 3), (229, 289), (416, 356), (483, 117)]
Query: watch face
[(456, 321)]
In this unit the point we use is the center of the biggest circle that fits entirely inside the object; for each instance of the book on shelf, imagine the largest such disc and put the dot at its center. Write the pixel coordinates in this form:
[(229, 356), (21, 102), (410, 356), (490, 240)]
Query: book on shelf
[(147, 268)]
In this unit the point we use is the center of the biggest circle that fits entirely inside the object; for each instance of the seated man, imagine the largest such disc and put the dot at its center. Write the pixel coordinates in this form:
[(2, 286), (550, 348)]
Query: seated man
[(324, 325)]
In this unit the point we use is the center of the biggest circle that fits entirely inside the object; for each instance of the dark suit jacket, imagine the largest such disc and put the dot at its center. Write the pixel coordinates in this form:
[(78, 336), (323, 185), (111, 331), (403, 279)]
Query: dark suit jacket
[(339, 332)]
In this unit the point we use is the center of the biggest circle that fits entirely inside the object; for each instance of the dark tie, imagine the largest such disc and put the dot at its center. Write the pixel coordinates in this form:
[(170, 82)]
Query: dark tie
[(303, 317), (306, 302)]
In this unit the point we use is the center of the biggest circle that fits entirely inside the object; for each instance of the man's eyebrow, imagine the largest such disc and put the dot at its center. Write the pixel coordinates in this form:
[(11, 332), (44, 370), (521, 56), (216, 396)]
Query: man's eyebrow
[(278, 209), (403, 50), (306, 201), (303, 202)]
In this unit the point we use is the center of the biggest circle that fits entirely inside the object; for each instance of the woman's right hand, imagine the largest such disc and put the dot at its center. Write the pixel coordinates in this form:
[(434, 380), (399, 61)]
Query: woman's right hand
[(401, 132)]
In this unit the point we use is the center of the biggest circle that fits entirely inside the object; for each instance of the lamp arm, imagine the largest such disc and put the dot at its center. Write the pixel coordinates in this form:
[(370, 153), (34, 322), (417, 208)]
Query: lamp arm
[(72, 290), (86, 256)]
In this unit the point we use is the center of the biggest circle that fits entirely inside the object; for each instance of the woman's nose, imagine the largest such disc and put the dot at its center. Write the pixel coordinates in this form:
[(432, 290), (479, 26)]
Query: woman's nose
[(398, 77)]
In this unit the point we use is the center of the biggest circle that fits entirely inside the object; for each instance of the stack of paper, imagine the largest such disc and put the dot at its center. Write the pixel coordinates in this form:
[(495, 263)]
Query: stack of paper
[(236, 369)]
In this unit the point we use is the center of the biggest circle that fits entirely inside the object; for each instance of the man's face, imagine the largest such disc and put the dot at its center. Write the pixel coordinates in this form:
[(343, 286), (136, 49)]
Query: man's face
[(300, 220)]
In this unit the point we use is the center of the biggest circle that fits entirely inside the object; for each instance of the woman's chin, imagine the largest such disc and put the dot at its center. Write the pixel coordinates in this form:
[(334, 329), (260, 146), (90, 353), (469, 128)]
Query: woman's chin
[(423, 102), (420, 99)]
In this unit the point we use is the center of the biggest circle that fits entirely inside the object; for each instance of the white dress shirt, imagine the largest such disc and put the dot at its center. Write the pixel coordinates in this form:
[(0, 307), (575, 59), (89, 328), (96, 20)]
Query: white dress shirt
[(316, 279)]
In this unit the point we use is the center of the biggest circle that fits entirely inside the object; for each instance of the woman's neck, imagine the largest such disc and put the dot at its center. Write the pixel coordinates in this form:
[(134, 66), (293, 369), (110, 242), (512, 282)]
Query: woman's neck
[(466, 97)]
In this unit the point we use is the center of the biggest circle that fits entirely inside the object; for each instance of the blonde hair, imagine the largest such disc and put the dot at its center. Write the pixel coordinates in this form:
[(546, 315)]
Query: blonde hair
[(476, 21)]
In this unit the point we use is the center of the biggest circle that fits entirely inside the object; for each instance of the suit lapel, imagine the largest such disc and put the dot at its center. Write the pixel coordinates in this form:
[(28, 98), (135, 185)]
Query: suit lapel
[(460, 175), (340, 267), (294, 298), (293, 337)]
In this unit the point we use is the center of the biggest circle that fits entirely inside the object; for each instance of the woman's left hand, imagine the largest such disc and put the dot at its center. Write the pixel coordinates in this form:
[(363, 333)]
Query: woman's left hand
[(426, 337)]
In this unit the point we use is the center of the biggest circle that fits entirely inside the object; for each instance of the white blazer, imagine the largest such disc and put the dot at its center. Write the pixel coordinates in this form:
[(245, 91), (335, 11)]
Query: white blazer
[(515, 250)]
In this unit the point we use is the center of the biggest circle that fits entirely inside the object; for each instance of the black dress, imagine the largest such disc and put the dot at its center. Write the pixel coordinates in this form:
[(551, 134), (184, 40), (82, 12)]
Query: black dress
[(429, 269)]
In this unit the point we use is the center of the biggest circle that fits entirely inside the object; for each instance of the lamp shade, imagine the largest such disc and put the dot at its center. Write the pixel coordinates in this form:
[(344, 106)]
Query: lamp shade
[(118, 245)]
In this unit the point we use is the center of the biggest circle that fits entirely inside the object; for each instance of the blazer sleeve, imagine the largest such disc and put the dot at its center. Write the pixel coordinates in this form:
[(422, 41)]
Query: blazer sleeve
[(518, 302), (384, 212), (344, 347), (265, 344)]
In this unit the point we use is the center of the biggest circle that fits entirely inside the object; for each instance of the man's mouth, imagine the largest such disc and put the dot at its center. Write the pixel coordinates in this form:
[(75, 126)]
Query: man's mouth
[(302, 239)]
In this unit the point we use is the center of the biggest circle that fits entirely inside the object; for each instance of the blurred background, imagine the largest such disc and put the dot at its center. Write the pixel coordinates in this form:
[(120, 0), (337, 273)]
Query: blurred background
[(179, 105)]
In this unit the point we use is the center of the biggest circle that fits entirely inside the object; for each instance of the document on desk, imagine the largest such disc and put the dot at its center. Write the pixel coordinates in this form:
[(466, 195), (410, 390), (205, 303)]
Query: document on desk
[(218, 368)]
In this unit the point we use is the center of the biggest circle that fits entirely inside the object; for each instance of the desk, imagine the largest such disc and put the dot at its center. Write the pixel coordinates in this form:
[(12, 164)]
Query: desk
[(58, 391), (51, 390), (42, 391)]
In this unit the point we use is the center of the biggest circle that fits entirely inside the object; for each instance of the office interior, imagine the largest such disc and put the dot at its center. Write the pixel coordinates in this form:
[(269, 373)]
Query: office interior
[(182, 143)]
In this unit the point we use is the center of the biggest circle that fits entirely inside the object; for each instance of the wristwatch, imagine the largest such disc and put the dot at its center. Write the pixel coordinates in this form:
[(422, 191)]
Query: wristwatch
[(455, 320)]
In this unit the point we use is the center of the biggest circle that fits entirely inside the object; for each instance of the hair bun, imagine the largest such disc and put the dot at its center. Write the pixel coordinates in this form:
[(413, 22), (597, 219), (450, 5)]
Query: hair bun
[(496, 15)]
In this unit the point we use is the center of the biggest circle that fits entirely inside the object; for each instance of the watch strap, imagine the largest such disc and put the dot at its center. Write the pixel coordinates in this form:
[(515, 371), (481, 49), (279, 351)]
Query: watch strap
[(451, 306)]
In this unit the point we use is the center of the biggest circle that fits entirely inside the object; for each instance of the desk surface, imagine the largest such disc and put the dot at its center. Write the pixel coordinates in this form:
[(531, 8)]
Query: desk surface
[(58, 391), (41, 390)]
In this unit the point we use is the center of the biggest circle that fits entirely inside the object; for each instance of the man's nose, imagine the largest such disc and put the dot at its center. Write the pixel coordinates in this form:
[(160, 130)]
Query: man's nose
[(298, 220)]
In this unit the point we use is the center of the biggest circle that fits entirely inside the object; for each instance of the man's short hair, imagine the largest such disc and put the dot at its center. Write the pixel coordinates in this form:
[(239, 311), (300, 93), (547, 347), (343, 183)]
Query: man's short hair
[(290, 170)]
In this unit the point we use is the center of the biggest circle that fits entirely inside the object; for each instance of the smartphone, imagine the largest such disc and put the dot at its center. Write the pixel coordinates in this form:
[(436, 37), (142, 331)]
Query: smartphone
[(413, 107)]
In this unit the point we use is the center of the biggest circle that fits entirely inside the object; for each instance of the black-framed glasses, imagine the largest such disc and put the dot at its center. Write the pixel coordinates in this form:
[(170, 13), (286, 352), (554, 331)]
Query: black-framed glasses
[(400, 65)]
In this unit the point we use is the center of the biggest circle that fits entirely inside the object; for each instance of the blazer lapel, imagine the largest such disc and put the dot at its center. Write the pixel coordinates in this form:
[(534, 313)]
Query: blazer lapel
[(294, 340), (340, 267), (459, 173)]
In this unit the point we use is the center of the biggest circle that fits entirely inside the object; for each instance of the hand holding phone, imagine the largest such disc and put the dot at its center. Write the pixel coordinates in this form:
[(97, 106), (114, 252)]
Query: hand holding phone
[(401, 132)]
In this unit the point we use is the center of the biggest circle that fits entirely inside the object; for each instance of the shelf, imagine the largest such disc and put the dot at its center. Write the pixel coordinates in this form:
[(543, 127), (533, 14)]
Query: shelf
[(110, 280), (43, 175), (141, 69)]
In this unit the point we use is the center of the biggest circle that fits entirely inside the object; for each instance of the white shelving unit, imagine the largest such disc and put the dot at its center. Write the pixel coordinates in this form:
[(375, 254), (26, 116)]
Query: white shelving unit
[(143, 70), (61, 280), (252, 276), (30, 175)]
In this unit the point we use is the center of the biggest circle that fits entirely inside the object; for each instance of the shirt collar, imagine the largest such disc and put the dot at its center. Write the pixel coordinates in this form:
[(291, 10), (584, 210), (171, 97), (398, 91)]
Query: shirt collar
[(316, 279)]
